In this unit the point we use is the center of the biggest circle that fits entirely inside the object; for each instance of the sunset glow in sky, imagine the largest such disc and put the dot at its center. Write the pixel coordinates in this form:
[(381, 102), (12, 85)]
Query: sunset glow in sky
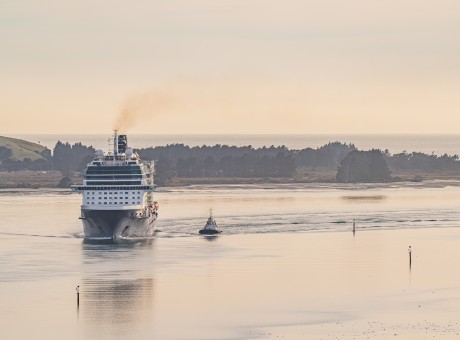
[(241, 66)]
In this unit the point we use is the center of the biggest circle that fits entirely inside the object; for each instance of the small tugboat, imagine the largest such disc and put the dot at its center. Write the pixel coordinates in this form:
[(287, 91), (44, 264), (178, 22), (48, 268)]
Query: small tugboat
[(211, 226)]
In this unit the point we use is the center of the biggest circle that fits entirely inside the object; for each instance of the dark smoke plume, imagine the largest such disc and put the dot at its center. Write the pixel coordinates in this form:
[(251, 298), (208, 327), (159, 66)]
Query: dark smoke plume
[(143, 107)]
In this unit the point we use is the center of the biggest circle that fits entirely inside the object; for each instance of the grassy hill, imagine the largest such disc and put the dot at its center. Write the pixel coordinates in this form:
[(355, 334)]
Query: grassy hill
[(22, 149)]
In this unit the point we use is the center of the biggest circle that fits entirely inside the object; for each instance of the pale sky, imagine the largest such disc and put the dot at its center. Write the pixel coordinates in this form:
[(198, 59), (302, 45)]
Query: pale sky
[(235, 66)]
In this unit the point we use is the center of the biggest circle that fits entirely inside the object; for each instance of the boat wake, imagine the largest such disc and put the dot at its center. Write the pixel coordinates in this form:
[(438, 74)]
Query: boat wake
[(39, 235), (317, 222)]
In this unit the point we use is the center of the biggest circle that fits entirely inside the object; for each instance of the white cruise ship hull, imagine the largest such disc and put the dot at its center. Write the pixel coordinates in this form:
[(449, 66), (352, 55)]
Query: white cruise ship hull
[(117, 194), (112, 224)]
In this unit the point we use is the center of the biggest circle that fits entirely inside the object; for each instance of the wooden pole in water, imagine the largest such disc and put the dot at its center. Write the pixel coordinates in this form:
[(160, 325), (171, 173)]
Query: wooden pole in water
[(78, 295), (354, 226), (410, 257)]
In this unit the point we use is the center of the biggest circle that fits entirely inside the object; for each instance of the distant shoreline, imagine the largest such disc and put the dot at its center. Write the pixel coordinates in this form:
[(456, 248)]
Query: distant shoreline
[(50, 179), (395, 143)]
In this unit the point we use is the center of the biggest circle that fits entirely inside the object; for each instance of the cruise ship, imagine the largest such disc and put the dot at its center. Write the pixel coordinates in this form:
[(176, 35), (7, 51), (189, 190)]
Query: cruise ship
[(117, 194)]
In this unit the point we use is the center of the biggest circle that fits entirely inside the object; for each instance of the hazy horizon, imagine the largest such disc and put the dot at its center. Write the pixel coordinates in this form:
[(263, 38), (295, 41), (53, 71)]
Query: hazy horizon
[(240, 67), (427, 143)]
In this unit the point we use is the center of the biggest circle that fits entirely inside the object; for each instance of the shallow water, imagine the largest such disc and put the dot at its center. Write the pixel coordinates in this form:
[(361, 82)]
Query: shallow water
[(286, 265)]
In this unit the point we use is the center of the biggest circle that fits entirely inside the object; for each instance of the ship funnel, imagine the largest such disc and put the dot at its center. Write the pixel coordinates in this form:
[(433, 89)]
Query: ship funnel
[(122, 142)]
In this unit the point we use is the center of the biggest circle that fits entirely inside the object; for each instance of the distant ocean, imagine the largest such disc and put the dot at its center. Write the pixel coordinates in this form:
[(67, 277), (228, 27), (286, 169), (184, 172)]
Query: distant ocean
[(395, 143)]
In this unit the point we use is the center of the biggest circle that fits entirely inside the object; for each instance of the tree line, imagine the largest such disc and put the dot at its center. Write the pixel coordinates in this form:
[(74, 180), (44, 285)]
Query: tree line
[(179, 160), (182, 161), (65, 158)]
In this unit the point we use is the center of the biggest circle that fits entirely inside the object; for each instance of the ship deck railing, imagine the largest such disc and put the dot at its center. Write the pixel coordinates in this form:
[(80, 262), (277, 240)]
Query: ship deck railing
[(150, 187), (120, 161)]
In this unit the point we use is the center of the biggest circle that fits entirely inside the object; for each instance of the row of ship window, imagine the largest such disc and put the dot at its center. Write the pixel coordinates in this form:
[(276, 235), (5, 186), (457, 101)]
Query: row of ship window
[(91, 182), (114, 177), (104, 194), (115, 197), (112, 203), (115, 192)]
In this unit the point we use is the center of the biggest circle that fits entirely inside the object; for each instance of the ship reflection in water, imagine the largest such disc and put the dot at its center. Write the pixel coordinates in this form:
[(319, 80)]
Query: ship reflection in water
[(211, 238), (116, 297)]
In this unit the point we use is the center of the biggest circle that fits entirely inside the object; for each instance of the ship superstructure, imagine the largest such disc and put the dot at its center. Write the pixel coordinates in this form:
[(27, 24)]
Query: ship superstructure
[(117, 194)]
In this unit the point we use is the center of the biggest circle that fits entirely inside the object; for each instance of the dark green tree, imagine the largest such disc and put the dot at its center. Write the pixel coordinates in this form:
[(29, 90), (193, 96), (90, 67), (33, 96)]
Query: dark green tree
[(363, 166), (5, 153)]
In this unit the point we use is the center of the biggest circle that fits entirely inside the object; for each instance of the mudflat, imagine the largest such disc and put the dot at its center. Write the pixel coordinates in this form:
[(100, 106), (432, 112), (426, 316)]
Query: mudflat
[(50, 179), (33, 179)]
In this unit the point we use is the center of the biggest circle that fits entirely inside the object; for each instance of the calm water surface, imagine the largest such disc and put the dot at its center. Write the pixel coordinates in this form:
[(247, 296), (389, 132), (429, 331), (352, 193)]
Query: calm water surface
[(286, 265)]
